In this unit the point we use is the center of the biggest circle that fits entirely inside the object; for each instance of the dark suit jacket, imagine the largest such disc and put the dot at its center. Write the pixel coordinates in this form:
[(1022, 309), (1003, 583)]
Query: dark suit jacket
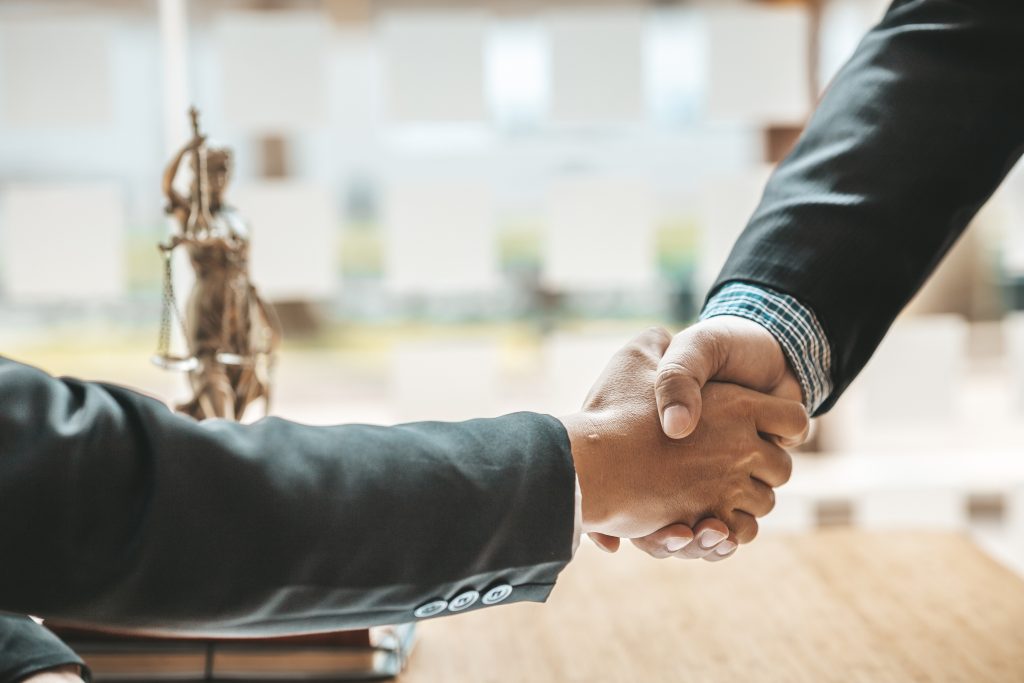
[(115, 511), (26, 648), (910, 139)]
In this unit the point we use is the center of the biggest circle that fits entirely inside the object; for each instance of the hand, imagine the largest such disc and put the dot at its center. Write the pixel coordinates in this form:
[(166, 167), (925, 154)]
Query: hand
[(61, 674), (713, 543), (726, 349), (635, 480), (195, 143)]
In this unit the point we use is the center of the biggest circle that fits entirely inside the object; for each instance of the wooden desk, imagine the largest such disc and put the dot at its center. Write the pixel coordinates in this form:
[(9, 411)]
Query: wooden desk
[(831, 606)]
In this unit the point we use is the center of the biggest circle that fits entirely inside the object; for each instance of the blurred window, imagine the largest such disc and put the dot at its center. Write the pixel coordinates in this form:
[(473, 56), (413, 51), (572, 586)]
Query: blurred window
[(676, 67), (518, 73)]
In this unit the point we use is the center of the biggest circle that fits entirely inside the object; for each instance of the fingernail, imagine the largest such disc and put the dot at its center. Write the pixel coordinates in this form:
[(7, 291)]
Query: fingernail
[(674, 544), (709, 538), (677, 419), (725, 548)]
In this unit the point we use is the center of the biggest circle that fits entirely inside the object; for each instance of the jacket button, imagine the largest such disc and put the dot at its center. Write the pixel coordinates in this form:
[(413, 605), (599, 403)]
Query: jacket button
[(497, 594), (463, 600), (430, 609)]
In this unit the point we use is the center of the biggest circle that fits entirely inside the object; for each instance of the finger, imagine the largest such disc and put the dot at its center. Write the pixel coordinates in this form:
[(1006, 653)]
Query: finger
[(607, 543), (725, 550), (772, 464), (782, 418), (665, 542), (693, 356), (708, 534), (760, 499), (744, 526)]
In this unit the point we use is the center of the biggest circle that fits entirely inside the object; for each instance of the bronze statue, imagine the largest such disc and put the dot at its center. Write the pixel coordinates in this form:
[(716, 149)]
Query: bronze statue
[(232, 334)]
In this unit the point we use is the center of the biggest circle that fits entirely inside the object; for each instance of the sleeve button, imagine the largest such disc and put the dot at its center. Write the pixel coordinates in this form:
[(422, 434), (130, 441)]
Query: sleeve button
[(430, 609), (497, 594), (463, 600)]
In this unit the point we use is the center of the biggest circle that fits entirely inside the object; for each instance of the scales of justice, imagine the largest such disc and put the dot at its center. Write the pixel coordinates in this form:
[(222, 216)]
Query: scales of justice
[(231, 335)]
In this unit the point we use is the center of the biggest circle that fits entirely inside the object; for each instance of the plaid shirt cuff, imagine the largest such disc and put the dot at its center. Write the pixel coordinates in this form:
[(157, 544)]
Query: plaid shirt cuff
[(791, 323)]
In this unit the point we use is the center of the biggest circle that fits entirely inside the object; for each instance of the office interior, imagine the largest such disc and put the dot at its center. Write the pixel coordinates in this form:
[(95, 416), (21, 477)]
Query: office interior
[(461, 209)]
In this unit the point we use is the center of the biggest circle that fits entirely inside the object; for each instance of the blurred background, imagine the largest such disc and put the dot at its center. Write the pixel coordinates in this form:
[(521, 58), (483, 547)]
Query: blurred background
[(462, 209)]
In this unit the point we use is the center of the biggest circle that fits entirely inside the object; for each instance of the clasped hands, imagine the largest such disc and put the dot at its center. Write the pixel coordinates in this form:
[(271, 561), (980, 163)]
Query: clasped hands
[(681, 442)]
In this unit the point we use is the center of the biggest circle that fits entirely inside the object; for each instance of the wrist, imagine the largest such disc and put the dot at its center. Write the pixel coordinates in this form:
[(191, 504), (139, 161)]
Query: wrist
[(68, 673), (584, 441), (786, 384)]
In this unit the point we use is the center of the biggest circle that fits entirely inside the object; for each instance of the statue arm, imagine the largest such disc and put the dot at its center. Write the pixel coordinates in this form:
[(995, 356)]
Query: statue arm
[(174, 200)]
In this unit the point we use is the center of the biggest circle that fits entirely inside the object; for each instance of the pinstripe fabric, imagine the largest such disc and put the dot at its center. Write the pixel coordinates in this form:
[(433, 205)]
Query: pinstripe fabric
[(794, 326)]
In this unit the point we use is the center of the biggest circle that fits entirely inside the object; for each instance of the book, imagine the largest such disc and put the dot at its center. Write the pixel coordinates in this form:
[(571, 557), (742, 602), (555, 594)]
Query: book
[(367, 654)]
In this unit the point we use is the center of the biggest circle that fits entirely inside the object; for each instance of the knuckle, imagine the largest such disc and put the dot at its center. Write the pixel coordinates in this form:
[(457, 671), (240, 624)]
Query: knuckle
[(729, 519), (674, 374), (731, 496), (651, 343), (711, 342), (740, 491), (635, 350), (701, 335), (658, 333)]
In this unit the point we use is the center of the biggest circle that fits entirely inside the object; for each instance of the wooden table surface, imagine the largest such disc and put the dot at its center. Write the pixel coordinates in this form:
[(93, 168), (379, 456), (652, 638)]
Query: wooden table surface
[(830, 606)]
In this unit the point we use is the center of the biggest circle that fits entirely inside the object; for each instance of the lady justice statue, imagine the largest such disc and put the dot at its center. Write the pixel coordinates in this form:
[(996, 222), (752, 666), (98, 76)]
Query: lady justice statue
[(231, 333)]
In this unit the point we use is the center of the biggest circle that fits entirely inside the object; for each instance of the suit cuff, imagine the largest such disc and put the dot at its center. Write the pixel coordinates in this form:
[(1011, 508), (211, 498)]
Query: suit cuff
[(793, 325), (577, 523)]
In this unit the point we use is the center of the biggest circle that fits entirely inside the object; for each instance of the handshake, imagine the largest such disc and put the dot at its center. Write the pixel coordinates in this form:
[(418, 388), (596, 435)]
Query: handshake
[(680, 443)]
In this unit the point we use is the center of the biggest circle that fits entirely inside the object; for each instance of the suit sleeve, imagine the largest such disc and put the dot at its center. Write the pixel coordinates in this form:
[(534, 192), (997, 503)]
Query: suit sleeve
[(115, 511), (910, 139), (27, 648)]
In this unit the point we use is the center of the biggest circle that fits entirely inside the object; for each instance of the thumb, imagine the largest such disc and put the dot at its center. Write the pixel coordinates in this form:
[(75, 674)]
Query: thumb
[(691, 359)]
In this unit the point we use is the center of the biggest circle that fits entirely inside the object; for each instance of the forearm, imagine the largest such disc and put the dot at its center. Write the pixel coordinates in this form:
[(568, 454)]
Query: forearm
[(910, 139), (144, 518), (174, 200)]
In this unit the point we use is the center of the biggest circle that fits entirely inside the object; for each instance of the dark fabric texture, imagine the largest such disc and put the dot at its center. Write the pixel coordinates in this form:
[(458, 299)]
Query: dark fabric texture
[(115, 511), (27, 648), (910, 139)]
